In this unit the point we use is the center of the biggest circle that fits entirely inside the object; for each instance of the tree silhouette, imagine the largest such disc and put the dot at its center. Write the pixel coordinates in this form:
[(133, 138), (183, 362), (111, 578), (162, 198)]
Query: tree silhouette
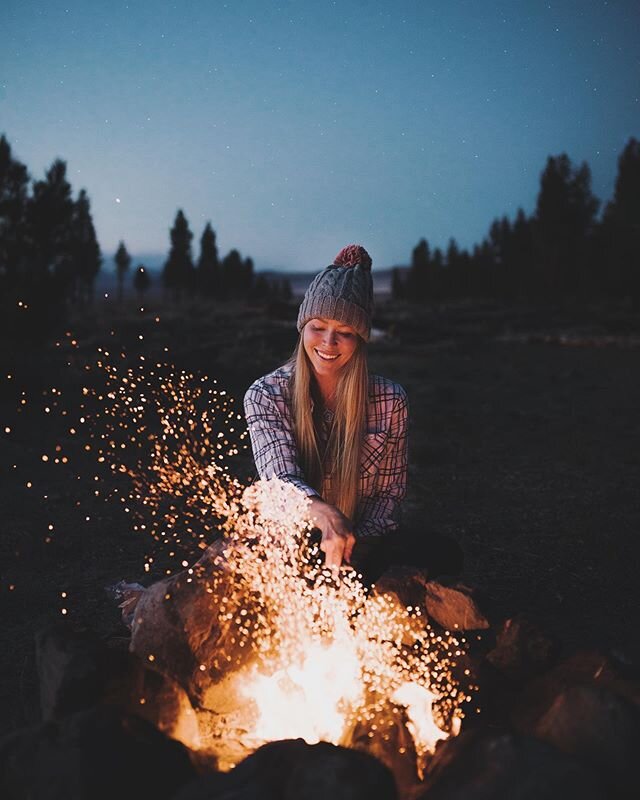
[(565, 213), (262, 289), (419, 282), (233, 271), (522, 255), (123, 262), (141, 281), (178, 273), (85, 250), (208, 266), (621, 227), (50, 214), (397, 285), (14, 245), (247, 276)]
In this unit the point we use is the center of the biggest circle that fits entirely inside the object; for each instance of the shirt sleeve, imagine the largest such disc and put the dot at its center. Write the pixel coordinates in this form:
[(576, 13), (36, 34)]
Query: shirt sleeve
[(379, 514), (272, 441)]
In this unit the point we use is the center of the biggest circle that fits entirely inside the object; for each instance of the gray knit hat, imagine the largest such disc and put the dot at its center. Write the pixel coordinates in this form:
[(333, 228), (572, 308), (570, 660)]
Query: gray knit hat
[(342, 291)]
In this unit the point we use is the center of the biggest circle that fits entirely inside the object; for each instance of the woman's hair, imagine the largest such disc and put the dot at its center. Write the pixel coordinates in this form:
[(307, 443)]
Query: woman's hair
[(342, 453)]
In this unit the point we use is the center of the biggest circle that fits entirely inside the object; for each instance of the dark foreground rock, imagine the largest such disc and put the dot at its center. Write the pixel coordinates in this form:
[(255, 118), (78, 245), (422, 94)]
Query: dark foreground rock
[(600, 728), (492, 765), (294, 770), (572, 730), (102, 754)]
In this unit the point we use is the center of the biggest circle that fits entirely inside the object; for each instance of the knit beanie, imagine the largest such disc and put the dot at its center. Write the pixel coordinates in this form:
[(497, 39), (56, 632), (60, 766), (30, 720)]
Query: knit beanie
[(342, 291)]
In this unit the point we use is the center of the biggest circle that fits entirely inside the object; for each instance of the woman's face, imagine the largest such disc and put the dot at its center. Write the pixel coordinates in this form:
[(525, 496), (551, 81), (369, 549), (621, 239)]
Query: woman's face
[(329, 344)]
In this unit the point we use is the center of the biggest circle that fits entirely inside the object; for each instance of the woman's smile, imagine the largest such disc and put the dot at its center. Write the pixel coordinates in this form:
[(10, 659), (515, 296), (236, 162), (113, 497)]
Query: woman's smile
[(326, 356), (329, 344)]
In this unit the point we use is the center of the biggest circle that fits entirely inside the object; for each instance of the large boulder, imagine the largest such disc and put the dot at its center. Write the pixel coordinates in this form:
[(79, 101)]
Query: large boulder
[(185, 626), (601, 729), (102, 753), (78, 670), (496, 764)]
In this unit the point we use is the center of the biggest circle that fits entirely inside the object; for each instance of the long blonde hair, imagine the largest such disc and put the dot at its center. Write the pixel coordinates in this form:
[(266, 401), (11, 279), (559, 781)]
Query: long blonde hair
[(341, 458)]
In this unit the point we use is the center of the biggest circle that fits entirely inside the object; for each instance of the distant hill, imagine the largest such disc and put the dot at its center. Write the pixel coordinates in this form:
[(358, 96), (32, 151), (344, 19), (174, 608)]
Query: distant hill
[(301, 280)]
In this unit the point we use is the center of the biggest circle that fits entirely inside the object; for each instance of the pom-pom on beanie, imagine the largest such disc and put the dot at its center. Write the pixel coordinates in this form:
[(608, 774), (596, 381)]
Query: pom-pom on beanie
[(342, 291)]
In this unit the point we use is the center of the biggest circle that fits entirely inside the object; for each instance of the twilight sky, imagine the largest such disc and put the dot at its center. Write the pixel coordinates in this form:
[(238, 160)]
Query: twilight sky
[(298, 127)]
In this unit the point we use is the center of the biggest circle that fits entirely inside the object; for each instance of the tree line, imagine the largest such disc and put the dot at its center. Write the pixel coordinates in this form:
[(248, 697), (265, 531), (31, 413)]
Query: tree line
[(50, 256), (562, 252), (209, 276), (49, 253)]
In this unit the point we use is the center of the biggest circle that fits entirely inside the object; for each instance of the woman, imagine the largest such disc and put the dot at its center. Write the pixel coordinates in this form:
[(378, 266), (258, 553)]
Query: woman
[(323, 423)]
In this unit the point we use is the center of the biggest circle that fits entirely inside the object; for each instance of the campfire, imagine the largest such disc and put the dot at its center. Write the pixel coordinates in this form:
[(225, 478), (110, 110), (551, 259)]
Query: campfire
[(326, 654), (293, 649)]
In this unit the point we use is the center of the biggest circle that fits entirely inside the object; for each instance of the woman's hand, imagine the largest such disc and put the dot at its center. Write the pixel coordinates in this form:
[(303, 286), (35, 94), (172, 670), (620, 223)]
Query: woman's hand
[(338, 540)]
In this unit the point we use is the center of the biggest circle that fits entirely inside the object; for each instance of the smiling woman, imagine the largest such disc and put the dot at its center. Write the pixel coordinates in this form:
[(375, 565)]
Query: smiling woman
[(323, 423)]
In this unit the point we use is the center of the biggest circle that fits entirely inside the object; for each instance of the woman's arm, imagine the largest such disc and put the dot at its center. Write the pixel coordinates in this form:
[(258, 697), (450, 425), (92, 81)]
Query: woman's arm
[(379, 513), (272, 441), (338, 538), (275, 455)]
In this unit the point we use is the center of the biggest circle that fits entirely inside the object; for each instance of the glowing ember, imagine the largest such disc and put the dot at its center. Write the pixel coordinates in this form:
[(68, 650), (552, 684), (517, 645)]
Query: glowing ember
[(328, 653), (317, 654)]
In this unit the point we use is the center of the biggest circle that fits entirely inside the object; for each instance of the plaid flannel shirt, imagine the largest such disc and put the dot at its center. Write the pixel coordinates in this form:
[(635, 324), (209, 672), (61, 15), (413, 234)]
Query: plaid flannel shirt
[(383, 464)]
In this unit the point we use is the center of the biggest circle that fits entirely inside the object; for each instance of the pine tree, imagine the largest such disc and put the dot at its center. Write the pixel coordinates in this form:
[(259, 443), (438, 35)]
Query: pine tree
[(123, 262), (565, 214), (179, 274), (232, 273), (50, 214), (247, 277), (418, 282), (397, 284), (262, 290), (85, 248), (621, 227), (208, 266), (502, 278), (522, 254), (14, 241)]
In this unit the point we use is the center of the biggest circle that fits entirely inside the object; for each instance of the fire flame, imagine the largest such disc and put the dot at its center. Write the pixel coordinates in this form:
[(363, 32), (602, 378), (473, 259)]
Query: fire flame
[(328, 654)]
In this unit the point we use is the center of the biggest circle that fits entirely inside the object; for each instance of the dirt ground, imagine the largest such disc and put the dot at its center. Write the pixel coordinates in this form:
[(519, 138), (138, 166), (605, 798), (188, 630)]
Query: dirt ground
[(524, 449)]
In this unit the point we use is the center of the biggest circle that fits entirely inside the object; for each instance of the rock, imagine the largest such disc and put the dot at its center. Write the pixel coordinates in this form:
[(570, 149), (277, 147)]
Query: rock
[(73, 669), (184, 627), (521, 650), (600, 728), (404, 584), (78, 670), (488, 764), (388, 739), (581, 668), (294, 770), (453, 607), (101, 753)]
